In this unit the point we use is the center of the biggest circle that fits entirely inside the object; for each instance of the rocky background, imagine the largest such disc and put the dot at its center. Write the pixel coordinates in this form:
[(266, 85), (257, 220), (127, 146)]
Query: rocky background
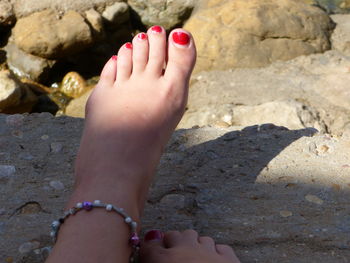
[(260, 160)]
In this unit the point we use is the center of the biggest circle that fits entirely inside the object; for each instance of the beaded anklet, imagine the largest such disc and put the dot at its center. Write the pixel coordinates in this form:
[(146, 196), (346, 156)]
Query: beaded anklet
[(134, 239)]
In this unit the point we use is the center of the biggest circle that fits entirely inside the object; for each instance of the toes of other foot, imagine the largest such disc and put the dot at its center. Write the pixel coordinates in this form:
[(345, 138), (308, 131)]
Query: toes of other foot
[(227, 252)]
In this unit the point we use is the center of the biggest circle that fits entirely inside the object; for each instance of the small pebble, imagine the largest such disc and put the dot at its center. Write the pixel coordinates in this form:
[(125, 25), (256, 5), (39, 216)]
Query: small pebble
[(9, 260), (286, 213), (44, 137), (176, 201), (58, 185), (7, 170), (2, 211), (28, 246), (17, 134), (26, 156), (56, 147), (314, 199), (14, 120)]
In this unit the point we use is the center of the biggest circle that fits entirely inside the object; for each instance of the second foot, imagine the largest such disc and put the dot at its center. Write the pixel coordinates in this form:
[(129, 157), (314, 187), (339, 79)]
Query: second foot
[(187, 247)]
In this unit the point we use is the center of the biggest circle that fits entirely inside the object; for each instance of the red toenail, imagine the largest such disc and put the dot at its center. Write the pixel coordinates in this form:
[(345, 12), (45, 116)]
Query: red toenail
[(142, 36), (157, 29), (114, 57), (128, 45), (153, 235), (181, 38)]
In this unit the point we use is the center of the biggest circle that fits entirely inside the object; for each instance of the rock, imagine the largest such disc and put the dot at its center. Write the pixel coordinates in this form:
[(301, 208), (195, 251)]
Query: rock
[(314, 199), (25, 7), (7, 15), (335, 6), (341, 35), (7, 171), (57, 185), (249, 192), (257, 32), (10, 91), (76, 107), (168, 14), (73, 85), (95, 20), (26, 65), (116, 14), (313, 89), (47, 35)]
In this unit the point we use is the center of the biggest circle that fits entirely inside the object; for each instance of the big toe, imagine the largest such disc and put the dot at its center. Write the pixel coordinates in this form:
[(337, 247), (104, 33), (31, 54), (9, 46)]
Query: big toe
[(181, 55), (151, 246)]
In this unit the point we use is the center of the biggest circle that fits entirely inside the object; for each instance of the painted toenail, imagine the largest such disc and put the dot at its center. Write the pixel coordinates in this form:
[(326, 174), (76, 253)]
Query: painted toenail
[(114, 57), (181, 38), (128, 45), (157, 29), (153, 235), (142, 36)]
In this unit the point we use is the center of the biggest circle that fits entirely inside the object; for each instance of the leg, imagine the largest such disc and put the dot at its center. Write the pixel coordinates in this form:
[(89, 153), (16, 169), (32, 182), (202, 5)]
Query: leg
[(130, 117)]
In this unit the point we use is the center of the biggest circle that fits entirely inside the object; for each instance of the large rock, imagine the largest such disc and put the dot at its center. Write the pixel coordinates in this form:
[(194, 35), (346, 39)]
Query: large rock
[(231, 34), (10, 90), (47, 35), (264, 190), (163, 12), (14, 95), (311, 90), (341, 35), (26, 65)]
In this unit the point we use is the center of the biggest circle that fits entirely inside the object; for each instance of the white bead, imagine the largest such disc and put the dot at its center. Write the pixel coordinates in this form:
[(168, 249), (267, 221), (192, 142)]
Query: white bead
[(79, 205), (55, 223), (52, 234), (134, 224), (109, 207), (97, 202), (128, 220), (72, 211)]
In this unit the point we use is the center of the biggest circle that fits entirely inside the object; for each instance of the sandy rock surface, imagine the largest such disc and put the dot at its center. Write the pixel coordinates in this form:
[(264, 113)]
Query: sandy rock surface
[(231, 34), (265, 190), (341, 35), (311, 90)]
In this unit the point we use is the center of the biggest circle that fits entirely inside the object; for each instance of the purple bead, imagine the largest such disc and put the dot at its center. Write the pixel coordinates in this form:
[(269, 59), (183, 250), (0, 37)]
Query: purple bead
[(135, 240), (87, 206)]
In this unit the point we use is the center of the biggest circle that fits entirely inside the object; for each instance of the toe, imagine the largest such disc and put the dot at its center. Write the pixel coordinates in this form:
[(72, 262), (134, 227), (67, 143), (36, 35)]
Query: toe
[(109, 73), (157, 50), (152, 244), (124, 62), (186, 238), (208, 243), (181, 56), (140, 52), (227, 252)]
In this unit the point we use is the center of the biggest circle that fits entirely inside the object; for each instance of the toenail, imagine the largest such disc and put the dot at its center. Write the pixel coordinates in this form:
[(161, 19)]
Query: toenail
[(128, 45), (153, 235), (157, 29), (181, 38), (114, 57), (142, 36)]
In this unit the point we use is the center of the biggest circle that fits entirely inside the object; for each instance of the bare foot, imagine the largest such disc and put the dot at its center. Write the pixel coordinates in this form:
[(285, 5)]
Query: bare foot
[(131, 115), (134, 110), (175, 247)]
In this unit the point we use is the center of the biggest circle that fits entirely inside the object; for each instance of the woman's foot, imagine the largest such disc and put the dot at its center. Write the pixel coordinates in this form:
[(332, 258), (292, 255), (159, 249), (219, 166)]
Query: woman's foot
[(131, 114), (133, 111), (175, 247)]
